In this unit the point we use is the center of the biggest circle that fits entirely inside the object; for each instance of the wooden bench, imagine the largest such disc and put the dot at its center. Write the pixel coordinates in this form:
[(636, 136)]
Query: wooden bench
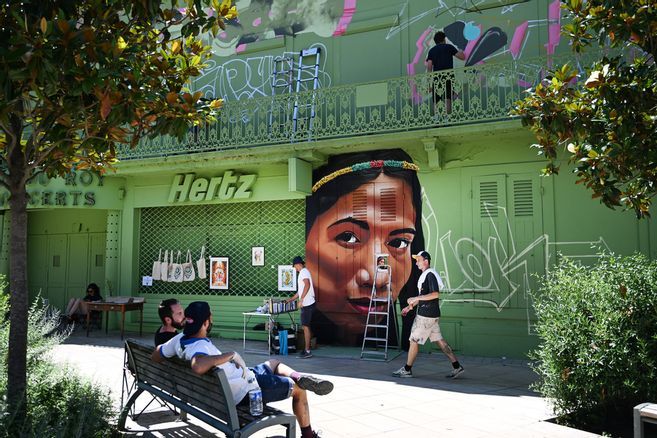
[(644, 413), (207, 397)]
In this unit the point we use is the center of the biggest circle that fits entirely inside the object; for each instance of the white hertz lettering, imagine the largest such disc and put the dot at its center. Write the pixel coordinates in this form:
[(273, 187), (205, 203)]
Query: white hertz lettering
[(186, 187)]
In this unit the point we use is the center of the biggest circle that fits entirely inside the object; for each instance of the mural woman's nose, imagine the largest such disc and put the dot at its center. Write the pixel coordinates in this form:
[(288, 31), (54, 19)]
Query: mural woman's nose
[(363, 278)]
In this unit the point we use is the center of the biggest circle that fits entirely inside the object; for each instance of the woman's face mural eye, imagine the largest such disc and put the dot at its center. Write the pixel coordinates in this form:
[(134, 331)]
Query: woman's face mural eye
[(377, 217), (399, 243), (347, 239)]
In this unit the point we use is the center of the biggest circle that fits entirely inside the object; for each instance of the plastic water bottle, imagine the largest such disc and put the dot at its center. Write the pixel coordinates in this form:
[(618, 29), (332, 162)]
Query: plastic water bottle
[(255, 402)]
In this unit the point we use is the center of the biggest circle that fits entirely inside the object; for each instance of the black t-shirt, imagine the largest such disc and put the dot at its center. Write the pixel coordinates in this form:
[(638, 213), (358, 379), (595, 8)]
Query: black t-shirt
[(429, 309), (92, 298), (163, 337), (442, 56)]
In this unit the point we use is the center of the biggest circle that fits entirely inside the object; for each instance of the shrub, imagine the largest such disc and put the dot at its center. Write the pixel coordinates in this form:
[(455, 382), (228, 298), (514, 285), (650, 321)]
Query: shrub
[(60, 402), (598, 329)]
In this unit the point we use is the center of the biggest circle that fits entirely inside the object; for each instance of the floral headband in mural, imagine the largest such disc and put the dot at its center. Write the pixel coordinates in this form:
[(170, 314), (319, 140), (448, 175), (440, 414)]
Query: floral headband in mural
[(375, 164)]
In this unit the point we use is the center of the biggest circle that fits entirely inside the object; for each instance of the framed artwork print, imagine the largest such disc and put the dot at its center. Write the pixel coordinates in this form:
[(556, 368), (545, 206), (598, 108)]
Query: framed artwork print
[(287, 278), (382, 261), (257, 256), (219, 272)]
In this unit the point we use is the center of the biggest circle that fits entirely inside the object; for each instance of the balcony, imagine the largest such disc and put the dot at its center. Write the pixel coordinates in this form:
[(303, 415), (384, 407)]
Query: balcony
[(482, 93)]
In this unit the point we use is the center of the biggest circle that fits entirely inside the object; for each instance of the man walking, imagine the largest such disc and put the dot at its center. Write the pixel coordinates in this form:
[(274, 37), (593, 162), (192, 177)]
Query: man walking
[(306, 295), (426, 323), (441, 57), (276, 380), (172, 317)]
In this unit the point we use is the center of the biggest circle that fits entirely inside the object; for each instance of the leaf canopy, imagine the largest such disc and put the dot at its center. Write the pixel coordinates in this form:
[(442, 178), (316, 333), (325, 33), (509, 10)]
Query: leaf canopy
[(604, 119), (78, 77)]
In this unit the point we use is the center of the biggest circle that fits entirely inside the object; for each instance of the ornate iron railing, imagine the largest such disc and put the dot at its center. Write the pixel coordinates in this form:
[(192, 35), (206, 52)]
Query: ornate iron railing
[(480, 93)]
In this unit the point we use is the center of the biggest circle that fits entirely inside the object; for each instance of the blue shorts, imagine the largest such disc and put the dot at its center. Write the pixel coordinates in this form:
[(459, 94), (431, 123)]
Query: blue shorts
[(307, 314), (274, 387)]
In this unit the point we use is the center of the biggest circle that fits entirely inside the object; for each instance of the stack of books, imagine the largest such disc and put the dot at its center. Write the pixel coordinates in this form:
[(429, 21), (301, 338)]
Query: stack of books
[(276, 306)]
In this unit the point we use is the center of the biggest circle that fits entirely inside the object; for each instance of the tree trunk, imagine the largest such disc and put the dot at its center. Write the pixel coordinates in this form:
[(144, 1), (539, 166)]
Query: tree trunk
[(17, 355)]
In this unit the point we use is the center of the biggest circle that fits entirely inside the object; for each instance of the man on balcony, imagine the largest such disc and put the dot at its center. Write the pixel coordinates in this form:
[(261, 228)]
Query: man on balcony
[(441, 57)]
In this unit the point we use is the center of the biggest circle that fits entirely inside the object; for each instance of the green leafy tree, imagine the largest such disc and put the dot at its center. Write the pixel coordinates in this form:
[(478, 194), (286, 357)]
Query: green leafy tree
[(608, 124), (76, 79)]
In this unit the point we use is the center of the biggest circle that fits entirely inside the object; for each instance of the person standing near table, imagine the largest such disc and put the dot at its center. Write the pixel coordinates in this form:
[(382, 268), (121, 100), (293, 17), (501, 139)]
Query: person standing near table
[(427, 320), (306, 295)]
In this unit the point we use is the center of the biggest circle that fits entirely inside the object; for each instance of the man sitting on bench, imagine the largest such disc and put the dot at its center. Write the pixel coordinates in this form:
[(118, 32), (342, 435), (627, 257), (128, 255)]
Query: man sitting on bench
[(173, 319), (276, 380)]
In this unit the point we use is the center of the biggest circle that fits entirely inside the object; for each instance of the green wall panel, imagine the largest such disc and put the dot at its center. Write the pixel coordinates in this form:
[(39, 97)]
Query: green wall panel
[(228, 230)]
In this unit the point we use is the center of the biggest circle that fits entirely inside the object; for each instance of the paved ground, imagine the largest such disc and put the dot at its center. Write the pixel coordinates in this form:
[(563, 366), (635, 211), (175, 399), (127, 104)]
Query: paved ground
[(491, 399)]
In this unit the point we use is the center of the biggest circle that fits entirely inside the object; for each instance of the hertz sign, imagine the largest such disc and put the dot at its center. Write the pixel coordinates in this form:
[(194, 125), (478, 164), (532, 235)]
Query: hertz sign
[(186, 187)]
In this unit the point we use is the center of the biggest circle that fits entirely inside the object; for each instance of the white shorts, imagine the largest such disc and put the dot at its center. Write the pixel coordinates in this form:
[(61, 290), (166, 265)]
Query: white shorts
[(424, 328)]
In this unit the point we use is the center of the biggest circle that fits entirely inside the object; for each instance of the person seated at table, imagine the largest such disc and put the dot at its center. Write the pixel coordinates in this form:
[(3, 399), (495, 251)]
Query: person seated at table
[(172, 317), (276, 380), (78, 306)]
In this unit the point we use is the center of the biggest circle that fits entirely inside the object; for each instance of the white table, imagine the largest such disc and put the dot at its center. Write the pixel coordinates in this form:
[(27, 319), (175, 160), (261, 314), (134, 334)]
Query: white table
[(270, 320)]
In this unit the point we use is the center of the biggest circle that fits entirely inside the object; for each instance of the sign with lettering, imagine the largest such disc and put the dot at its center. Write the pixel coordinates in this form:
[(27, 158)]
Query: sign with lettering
[(76, 190), (186, 187)]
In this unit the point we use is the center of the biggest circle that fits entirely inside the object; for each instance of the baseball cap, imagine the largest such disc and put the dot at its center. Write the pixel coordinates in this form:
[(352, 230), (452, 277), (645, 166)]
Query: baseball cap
[(297, 259), (195, 315), (422, 254)]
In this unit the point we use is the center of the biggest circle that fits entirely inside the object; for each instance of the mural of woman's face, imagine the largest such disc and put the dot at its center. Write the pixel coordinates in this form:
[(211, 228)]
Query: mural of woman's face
[(376, 218)]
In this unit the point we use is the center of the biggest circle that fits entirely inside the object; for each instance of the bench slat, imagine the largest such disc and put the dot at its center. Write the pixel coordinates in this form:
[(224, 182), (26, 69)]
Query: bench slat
[(649, 411)]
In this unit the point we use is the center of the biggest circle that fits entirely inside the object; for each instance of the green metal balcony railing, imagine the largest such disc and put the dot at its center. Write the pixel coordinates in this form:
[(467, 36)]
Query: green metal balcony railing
[(480, 93)]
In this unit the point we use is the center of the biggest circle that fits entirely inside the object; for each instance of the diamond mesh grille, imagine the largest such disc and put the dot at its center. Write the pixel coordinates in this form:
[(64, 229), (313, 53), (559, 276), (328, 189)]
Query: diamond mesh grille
[(226, 230)]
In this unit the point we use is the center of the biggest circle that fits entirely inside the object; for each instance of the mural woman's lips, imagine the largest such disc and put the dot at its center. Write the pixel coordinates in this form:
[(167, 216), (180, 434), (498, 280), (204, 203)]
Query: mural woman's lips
[(362, 305)]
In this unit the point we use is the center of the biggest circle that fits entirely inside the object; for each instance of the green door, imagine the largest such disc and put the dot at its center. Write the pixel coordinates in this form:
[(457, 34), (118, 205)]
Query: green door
[(78, 252), (56, 265), (96, 262)]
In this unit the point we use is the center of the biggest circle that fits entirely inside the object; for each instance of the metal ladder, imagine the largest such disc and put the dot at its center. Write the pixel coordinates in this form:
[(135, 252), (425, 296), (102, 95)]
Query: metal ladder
[(282, 82), (302, 77), (375, 337)]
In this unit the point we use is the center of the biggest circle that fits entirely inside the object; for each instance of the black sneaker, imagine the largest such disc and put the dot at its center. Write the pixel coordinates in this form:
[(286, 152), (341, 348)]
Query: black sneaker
[(305, 354), (314, 384), (455, 373)]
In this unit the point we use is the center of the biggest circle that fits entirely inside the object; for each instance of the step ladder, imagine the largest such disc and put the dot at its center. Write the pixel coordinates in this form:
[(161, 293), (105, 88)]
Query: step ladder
[(282, 82), (377, 325), (307, 72)]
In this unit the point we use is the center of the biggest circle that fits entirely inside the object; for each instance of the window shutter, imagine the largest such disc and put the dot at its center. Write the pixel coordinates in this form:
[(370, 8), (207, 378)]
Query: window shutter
[(523, 198), (488, 199)]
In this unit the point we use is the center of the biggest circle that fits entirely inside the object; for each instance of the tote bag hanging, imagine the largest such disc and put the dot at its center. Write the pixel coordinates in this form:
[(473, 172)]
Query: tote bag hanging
[(155, 272), (164, 267), (200, 264), (170, 273), (188, 268), (177, 270)]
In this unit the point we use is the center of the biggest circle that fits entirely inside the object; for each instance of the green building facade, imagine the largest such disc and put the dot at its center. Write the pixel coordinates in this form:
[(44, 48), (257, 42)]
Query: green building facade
[(492, 225)]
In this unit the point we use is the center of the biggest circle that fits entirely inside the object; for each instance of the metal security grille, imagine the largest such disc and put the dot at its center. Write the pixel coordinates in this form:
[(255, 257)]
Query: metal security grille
[(226, 230)]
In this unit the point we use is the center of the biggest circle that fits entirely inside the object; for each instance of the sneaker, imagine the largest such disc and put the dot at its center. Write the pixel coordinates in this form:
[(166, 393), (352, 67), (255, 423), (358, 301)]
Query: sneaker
[(314, 384), (403, 373), (305, 354), (455, 373), (316, 434)]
